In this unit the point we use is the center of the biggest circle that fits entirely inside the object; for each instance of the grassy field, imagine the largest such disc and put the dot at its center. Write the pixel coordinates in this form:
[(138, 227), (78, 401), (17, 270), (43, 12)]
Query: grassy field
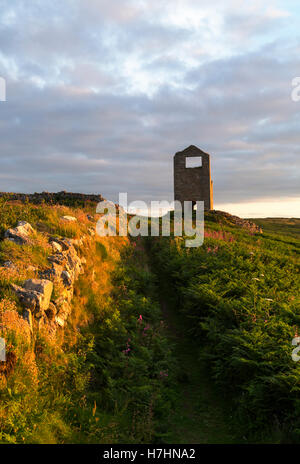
[(164, 344), (287, 227)]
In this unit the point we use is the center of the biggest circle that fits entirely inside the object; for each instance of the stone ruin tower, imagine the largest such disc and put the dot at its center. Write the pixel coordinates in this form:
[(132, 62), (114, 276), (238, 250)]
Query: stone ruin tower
[(192, 177)]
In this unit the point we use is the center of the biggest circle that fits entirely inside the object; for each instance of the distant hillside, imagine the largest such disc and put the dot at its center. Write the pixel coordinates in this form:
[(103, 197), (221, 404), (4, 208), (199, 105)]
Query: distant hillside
[(64, 198), (287, 226)]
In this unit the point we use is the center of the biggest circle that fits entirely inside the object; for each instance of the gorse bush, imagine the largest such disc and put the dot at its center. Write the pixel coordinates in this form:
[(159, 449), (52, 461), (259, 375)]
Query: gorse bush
[(241, 296)]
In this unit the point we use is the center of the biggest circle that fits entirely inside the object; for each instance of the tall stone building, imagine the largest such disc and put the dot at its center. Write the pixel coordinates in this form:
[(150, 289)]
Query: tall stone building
[(192, 177)]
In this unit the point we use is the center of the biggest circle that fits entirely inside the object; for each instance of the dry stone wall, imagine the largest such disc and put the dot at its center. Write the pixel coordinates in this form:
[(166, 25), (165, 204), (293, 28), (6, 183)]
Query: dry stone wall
[(62, 198), (40, 303)]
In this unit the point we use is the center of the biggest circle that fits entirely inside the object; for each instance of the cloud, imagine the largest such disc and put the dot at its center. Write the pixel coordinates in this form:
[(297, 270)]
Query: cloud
[(100, 95)]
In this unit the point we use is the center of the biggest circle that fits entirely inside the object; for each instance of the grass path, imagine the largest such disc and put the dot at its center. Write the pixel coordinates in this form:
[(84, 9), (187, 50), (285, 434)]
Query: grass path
[(200, 417)]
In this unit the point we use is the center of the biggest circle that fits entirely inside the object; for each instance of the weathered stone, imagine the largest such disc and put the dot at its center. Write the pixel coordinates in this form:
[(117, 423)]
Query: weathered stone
[(24, 228), (59, 321), (56, 247), (20, 234), (39, 285), (29, 299), (65, 243), (43, 287), (18, 239), (193, 184), (64, 308), (67, 278), (69, 218), (35, 294), (74, 262), (9, 265), (58, 258), (53, 274)]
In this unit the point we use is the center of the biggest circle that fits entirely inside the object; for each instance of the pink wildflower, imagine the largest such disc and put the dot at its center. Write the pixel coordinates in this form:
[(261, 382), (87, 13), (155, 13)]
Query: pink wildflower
[(128, 349)]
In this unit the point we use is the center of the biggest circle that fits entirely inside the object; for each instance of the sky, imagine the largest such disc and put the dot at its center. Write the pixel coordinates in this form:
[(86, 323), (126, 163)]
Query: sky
[(101, 94)]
